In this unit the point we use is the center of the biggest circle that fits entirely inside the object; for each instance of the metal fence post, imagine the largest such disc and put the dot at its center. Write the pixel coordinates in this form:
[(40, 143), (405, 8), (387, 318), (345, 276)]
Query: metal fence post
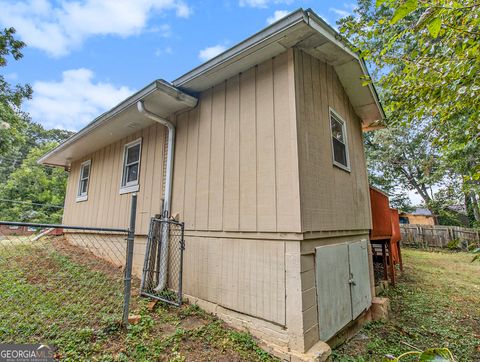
[(180, 278), (129, 260)]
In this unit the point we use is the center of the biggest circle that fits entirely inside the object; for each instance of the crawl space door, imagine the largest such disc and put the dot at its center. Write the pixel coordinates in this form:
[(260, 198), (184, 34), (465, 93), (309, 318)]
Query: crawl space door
[(343, 285)]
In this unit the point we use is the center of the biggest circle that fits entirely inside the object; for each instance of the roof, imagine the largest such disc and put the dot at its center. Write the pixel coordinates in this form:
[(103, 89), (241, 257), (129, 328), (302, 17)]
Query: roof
[(420, 211), (302, 29), (113, 125)]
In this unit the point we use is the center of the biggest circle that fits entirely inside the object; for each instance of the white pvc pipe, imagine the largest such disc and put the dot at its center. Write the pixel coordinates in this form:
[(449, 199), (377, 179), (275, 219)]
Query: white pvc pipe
[(163, 267)]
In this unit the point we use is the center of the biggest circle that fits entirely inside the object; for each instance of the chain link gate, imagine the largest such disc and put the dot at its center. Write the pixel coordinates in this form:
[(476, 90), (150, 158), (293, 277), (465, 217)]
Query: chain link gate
[(163, 264)]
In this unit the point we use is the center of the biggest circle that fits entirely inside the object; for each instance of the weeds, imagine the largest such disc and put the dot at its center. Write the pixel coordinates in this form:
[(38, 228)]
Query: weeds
[(77, 310), (435, 304)]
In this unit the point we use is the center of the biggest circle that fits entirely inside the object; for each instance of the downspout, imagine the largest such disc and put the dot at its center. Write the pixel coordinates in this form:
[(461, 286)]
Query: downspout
[(163, 267)]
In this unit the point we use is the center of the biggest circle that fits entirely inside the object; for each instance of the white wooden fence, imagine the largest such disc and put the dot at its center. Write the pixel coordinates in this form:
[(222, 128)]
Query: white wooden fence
[(439, 236)]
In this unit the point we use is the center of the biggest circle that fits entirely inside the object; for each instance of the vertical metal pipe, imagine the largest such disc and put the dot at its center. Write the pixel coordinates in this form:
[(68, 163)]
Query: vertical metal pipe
[(180, 277), (146, 264), (129, 262), (163, 264)]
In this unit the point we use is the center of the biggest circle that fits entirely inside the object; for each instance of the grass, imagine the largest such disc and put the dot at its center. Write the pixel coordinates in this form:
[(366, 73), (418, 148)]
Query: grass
[(435, 304), (57, 294)]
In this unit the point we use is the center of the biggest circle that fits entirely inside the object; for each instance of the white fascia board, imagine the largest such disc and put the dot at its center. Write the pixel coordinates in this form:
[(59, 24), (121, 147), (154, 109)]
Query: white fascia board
[(186, 100), (264, 35)]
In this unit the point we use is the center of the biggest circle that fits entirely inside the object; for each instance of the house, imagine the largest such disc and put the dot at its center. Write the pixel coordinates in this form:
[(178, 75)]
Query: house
[(7, 230), (260, 152), (419, 217)]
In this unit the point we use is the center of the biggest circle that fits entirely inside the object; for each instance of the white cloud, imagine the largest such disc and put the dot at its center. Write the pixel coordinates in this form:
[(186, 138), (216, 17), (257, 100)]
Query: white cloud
[(277, 15), (210, 52), (340, 12), (164, 30), (262, 3), (346, 10), (74, 101), (59, 27), (166, 50)]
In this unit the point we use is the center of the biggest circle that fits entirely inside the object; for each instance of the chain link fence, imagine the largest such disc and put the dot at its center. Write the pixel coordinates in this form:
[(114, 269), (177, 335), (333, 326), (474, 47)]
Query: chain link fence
[(163, 264), (63, 284), (58, 280)]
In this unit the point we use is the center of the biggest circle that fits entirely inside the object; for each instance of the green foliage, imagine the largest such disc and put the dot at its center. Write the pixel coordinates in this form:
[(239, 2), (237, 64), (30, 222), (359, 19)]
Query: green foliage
[(34, 193), (434, 304), (453, 244), (24, 183), (477, 255), (429, 355), (424, 57), (9, 46), (403, 157)]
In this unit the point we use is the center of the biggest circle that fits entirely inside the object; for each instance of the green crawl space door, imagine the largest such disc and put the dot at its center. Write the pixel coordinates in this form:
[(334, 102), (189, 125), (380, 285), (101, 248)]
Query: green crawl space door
[(343, 285)]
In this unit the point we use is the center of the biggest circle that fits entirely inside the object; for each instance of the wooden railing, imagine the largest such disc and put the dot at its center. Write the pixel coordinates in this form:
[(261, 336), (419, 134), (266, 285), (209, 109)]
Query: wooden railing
[(439, 236)]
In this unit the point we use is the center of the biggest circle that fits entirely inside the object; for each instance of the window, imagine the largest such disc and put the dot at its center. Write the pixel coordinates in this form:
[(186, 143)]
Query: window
[(339, 141), (82, 193), (131, 166)]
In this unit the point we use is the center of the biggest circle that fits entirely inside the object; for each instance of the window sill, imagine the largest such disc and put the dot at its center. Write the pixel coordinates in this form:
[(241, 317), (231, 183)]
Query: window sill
[(81, 198), (343, 167), (128, 189)]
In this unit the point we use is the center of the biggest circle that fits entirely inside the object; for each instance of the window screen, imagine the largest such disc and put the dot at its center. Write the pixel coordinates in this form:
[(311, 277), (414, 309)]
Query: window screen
[(84, 177), (339, 140), (131, 166)]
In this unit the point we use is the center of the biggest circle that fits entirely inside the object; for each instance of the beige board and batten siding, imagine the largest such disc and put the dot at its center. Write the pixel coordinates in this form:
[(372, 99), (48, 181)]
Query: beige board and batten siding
[(236, 171), (105, 206), (236, 165), (332, 199)]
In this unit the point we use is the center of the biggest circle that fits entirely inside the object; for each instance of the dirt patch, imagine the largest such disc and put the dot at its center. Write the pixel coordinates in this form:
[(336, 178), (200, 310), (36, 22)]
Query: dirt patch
[(85, 257), (37, 267), (192, 323)]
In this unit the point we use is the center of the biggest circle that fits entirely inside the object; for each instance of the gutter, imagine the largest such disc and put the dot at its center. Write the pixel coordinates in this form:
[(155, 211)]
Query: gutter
[(163, 267), (296, 17), (157, 85)]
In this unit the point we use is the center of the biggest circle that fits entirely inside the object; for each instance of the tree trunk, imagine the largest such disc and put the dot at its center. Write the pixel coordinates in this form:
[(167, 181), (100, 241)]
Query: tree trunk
[(476, 210)]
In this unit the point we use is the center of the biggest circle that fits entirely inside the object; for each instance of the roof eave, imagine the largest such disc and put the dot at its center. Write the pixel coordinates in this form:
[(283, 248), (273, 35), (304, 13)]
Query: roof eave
[(157, 85), (292, 19)]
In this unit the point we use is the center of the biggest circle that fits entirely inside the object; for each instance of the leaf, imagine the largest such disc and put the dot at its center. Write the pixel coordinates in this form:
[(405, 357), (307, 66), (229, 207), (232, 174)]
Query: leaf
[(403, 10), (434, 26), (436, 355), (379, 3)]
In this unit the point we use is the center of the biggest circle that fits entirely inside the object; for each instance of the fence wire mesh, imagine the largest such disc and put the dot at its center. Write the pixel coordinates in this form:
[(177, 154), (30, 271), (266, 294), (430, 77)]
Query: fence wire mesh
[(163, 264), (59, 284)]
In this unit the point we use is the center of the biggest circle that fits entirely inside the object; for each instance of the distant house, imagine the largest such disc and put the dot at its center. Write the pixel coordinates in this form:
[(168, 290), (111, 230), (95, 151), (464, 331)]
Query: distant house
[(419, 216), (6, 230), (268, 173)]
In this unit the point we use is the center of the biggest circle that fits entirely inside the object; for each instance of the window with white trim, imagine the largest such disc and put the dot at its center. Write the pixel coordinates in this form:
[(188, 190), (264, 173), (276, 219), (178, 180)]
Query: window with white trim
[(339, 141), (82, 193), (131, 166)]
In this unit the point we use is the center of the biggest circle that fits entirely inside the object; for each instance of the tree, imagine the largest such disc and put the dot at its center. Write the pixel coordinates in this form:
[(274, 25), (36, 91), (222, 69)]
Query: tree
[(9, 46), (403, 157), (18, 134), (424, 55), (12, 120), (34, 193), (427, 56)]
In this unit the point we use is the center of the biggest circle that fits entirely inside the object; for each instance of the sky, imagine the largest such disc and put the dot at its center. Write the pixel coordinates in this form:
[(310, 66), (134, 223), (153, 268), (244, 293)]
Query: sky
[(85, 56)]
